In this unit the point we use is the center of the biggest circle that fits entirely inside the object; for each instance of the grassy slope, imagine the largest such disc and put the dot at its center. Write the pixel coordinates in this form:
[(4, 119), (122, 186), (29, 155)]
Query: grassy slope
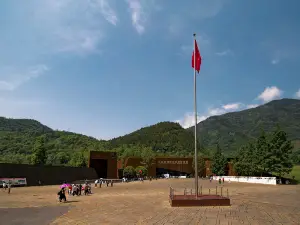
[(295, 172)]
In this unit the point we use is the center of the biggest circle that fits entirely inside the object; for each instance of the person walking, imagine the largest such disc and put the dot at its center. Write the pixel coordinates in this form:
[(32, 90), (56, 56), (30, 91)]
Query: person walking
[(61, 195), (9, 186), (4, 186)]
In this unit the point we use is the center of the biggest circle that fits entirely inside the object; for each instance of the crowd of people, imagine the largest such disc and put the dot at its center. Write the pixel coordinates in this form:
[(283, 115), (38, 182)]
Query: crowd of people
[(6, 186), (73, 189)]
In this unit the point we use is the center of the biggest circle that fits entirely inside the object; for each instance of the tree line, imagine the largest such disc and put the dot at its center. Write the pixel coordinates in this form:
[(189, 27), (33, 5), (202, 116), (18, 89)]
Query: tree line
[(268, 154)]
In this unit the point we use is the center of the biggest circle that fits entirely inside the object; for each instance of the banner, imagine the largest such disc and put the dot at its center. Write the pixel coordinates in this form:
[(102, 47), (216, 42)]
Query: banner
[(14, 181)]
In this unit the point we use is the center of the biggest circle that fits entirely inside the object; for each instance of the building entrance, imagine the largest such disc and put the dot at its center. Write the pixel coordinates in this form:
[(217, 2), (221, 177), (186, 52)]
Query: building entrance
[(100, 166)]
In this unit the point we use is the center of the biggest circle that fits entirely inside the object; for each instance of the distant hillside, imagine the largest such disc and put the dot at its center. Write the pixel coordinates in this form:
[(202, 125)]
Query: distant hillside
[(22, 125), (164, 137), (18, 136), (232, 130)]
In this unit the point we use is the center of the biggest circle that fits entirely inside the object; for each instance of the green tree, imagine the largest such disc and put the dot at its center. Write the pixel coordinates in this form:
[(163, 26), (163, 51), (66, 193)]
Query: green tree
[(201, 165), (296, 156), (245, 163), (219, 162), (266, 155), (15, 158), (129, 172), (251, 158), (148, 157), (39, 156), (79, 159), (62, 158), (280, 161), (121, 155), (125, 151), (261, 154), (143, 169)]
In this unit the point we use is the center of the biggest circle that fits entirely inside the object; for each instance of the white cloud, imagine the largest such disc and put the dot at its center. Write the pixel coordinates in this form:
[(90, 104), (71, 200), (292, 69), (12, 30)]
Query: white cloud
[(10, 78), (275, 61), (79, 41), (279, 55), (251, 106), (232, 106), (108, 13), (224, 53), (189, 119), (270, 93), (297, 94), (138, 16), (216, 111), (72, 26)]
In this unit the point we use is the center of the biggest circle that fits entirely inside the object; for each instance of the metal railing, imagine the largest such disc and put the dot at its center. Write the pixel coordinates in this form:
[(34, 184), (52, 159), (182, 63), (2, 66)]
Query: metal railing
[(191, 192), (93, 181)]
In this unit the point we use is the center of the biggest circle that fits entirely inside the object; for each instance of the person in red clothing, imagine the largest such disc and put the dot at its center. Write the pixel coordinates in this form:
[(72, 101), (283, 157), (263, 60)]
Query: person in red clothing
[(70, 190)]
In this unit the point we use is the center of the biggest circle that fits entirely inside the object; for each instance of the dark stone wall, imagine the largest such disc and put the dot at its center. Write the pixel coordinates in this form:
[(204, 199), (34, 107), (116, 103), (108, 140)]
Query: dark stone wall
[(48, 175)]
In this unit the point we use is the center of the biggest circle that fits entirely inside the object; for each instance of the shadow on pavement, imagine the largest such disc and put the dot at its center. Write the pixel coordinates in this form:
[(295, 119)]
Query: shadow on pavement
[(31, 216)]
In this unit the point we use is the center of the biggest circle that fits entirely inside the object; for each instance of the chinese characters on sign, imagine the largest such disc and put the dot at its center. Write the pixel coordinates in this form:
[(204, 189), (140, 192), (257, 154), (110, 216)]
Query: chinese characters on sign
[(173, 162)]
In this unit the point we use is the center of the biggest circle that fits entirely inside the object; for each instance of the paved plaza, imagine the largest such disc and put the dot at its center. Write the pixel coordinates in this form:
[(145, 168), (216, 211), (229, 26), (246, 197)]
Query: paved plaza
[(147, 203)]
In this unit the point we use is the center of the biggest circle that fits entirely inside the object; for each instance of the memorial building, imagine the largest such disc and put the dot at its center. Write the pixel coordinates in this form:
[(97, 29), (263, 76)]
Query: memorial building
[(107, 166)]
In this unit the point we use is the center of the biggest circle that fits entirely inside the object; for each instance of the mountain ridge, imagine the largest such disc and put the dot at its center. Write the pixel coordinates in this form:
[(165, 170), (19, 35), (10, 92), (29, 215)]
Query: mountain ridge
[(232, 129)]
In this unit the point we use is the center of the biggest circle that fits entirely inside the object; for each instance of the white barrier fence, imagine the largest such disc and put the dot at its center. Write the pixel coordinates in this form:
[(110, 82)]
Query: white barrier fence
[(14, 181), (253, 180)]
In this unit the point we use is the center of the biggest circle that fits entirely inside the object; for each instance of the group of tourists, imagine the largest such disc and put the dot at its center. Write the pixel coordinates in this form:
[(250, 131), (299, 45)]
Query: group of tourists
[(101, 181), (220, 180), (6, 186), (73, 189)]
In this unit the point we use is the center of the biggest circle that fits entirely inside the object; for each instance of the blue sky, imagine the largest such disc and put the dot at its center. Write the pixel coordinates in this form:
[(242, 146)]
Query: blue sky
[(105, 68)]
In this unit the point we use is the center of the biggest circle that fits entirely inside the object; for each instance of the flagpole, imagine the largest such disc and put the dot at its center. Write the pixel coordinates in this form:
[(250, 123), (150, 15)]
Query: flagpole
[(195, 111)]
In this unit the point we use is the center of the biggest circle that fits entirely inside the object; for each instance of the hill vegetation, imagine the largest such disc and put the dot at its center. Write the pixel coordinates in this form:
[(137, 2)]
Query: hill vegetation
[(232, 130), (22, 125), (23, 140), (19, 136), (17, 144), (165, 137)]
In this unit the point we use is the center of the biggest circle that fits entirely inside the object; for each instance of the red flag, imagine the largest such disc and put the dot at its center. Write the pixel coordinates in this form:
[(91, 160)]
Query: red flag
[(198, 58)]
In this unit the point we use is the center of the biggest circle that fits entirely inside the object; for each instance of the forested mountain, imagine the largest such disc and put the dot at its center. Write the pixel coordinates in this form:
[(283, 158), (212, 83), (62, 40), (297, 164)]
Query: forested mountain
[(18, 137), (231, 130), (22, 125), (164, 137)]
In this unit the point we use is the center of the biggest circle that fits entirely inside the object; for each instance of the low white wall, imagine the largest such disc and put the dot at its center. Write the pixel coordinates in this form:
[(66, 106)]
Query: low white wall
[(253, 180)]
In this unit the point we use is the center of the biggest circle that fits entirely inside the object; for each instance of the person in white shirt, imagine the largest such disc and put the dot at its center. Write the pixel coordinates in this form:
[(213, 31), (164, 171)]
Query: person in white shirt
[(96, 182), (4, 186)]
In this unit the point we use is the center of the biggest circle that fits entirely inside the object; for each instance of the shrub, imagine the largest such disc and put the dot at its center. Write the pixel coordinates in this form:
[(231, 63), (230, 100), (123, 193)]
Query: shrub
[(143, 169), (128, 172)]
